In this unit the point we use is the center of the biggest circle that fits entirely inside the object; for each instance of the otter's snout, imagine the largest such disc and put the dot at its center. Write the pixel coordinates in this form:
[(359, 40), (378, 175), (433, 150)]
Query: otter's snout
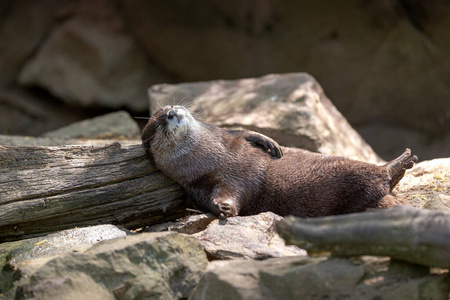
[(171, 114), (177, 113)]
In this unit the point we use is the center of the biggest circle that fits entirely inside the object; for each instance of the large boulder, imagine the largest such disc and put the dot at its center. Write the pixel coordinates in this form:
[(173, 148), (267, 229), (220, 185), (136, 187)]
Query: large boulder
[(90, 60), (380, 62), (20, 259), (237, 237), (427, 185), (27, 113), (290, 108), (23, 27), (118, 125), (148, 265), (320, 278)]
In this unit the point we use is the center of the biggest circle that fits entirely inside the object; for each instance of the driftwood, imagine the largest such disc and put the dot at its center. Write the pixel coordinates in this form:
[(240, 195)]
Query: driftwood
[(44, 189), (406, 233)]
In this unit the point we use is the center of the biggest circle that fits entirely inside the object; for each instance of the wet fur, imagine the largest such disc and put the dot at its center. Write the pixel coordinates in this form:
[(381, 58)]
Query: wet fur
[(224, 172)]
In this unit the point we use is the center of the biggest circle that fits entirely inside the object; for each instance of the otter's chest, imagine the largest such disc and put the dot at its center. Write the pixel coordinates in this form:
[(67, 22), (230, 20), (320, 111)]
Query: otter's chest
[(187, 165)]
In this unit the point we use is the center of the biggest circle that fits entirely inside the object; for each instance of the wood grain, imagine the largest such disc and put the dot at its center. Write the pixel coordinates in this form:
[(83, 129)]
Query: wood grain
[(44, 189), (416, 235)]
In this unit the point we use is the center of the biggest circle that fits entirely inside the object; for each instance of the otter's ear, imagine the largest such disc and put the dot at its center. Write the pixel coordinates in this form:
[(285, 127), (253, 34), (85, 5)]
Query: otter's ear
[(147, 133)]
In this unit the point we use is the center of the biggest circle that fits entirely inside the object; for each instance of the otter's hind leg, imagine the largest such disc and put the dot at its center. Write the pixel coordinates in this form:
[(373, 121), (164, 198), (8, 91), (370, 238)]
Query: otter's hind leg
[(398, 166)]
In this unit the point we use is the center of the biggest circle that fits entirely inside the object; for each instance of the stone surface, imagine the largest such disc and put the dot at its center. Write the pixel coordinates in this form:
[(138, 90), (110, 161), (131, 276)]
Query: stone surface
[(385, 64), (290, 108), (21, 258), (23, 28), (402, 232), (237, 237), (388, 141), (144, 266), (320, 278), (90, 60), (379, 61), (425, 181), (440, 202), (113, 125), (27, 113)]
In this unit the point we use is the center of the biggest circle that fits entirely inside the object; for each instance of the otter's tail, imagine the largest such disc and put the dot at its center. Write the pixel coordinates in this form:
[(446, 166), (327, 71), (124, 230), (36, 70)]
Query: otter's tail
[(398, 166)]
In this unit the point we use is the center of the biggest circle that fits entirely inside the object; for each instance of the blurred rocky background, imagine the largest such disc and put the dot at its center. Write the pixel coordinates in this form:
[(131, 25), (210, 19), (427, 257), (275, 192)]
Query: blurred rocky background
[(384, 64)]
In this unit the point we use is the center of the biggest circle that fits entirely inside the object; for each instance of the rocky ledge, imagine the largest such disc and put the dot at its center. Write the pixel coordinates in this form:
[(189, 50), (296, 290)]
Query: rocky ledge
[(62, 209)]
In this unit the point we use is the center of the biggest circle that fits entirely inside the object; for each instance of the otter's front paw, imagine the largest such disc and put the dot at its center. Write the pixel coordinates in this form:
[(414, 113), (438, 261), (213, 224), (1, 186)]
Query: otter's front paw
[(227, 209)]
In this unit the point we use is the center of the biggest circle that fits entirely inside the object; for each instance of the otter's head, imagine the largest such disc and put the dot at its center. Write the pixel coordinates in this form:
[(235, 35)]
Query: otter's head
[(167, 127)]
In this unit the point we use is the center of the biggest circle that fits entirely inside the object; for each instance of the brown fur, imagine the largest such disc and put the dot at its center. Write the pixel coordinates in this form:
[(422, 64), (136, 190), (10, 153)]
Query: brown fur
[(227, 173)]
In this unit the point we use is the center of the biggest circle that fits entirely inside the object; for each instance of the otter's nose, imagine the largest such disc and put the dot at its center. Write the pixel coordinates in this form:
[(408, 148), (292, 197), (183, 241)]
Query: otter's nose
[(171, 114)]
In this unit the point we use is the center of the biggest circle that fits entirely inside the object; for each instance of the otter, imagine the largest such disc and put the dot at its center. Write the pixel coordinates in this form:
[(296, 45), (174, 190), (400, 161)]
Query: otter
[(240, 172)]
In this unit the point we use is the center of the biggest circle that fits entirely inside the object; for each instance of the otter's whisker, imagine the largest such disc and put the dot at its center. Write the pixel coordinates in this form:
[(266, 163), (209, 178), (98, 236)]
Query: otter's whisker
[(186, 102), (143, 142), (197, 112), (145, 118), (159, 103)]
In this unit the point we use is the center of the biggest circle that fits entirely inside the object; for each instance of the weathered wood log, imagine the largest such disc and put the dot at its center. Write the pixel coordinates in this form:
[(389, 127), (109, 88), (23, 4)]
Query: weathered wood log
[(406, 233), (44, 189)]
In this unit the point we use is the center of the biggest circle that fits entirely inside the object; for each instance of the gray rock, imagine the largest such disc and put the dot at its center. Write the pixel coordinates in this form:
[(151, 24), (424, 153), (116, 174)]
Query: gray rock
[(375, 60), (236, 237), (25, 113), (21, 258), (88, 63), (440, 202), (245, 237), (320, 278), (23, 27), (388, 141), (143, 266), (421, 184), (290, 108), (113, 125)]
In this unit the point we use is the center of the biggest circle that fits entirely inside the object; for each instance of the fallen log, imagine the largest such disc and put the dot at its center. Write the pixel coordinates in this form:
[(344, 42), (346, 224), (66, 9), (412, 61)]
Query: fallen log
[(405, 233), (45, 189)]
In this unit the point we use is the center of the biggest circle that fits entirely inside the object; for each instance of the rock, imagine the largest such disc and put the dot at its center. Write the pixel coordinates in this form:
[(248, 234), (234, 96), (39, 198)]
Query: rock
[(113, 125), (21, 258), (319, 278), (376, 60), (143, 266), (237, 237), (421, 184), (90, 60), (23, 27), (360, 53), (440, 202), (388, 140), (290, 108), (245, 237), (402, 232), (25, 113)]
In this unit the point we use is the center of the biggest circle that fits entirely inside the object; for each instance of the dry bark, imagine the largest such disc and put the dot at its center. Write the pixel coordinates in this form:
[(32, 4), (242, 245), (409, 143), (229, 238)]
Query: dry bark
[(406, 233), (44, 189)]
